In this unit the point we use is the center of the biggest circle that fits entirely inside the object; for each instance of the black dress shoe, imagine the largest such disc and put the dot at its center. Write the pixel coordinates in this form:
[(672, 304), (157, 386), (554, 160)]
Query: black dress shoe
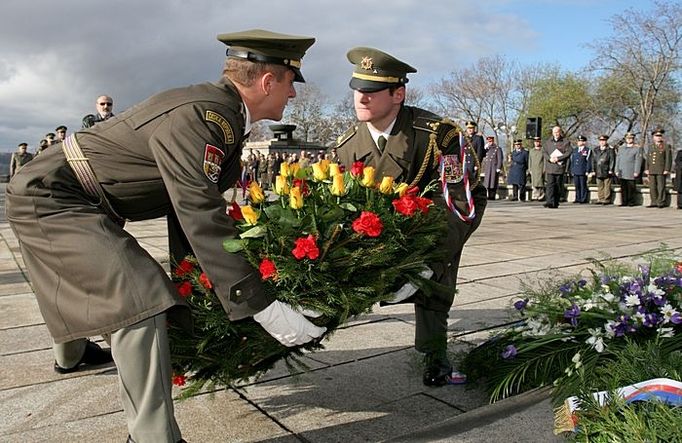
[(94, 355), (437, 370)]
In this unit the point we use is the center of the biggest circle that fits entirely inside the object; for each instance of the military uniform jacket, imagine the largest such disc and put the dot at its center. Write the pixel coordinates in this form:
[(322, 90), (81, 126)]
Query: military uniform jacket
[(581, 161), (17, 161), (176, 151), (678, 171), (658, 158), (536, 167), (402, 158), (549, 147), (628, 162), (518, 167), (603, 162)]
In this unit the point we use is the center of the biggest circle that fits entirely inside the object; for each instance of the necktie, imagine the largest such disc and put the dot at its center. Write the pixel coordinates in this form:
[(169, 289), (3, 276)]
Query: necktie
[(381, 142)]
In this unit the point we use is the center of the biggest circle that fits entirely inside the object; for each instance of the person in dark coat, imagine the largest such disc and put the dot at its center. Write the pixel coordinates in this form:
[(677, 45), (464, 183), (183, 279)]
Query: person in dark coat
[(517, 171), (175, 153), (678, 177), (603, 166), (557, 150), (475, 142), (581, 166), (491, 166)]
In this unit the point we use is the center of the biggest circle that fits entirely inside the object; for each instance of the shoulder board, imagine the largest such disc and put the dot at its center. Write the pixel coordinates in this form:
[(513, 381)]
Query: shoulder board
[(424, 123), (346, 136)]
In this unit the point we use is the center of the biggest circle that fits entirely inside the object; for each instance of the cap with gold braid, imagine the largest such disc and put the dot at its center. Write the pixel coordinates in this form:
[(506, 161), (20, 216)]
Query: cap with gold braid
[(375, 70), (262, 46)]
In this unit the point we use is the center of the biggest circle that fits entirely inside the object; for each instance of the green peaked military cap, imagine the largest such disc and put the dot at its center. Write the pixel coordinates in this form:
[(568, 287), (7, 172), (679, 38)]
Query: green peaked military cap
[(376, 70), (262, 46)]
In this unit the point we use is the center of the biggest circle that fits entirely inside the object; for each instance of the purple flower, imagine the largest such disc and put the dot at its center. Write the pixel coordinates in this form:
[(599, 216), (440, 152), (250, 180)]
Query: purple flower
[(521, 304), (676, 318), (645, 270), (582, 283), (623, 326), (651, 319), (605, 279), (565, 289), (509, 352), (572, 314)]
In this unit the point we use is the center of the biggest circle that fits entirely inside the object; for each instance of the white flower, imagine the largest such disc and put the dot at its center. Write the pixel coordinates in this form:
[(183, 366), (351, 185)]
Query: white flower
[(607, 296), (668, 311), (610, 328), (666, 332), (639, 317), (632, 300), (626, 279), (576, 360), (596, 340), (654, 290), (589, 304)]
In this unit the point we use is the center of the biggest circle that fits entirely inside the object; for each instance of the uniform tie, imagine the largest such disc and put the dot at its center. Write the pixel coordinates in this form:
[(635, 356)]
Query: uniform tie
[(381, 142)]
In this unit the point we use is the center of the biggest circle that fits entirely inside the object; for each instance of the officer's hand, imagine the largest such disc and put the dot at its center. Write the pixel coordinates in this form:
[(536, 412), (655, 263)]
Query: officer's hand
[(408, 288), (289, 326)]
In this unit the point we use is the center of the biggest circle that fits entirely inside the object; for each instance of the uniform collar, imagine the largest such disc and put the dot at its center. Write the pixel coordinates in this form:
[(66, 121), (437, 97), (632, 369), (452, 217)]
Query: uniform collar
[(375, 133)]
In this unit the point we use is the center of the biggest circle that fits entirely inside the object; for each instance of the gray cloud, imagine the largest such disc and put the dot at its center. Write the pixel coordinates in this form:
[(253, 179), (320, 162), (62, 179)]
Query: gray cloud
[(57, 57)]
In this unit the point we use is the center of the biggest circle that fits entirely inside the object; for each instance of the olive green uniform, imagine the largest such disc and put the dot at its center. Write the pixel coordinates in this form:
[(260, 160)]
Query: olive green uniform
[(402, 159)]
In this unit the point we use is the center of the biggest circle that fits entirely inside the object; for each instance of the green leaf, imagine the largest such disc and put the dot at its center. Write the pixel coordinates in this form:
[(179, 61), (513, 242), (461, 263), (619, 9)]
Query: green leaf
[(348, 207), (255, 232), (332, 214), (233, 245)]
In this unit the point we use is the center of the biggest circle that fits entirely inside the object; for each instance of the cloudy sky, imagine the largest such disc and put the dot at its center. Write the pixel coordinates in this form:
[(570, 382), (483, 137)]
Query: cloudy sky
[(56, 57)]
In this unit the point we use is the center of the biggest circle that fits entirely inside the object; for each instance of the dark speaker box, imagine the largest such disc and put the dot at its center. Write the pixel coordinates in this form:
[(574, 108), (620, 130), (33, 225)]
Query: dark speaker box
[(533, 127)]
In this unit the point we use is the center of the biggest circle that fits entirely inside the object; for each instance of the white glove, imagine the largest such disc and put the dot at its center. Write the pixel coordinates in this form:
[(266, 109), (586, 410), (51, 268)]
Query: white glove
[(408, 288), (287, 325)]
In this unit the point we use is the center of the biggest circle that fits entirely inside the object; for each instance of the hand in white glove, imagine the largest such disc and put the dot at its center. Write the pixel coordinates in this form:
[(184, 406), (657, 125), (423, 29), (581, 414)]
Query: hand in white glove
[(408, 288), (288, 326)]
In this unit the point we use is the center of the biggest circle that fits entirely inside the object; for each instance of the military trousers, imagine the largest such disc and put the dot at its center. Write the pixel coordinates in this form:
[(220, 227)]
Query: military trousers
[(604, 189), (627, 192), (581, 193), (657, 190)]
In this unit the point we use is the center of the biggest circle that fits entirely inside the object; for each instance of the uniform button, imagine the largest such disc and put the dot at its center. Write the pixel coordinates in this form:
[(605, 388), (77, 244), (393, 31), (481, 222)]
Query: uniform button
[(238, 292)]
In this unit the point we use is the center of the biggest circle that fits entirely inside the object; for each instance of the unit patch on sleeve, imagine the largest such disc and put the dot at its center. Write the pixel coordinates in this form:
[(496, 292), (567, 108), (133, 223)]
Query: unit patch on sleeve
[(221, 121), (452, 169), (213, 158)]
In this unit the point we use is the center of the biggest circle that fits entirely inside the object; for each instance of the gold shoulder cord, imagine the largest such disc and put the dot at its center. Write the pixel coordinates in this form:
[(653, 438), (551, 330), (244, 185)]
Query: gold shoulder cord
[(431, 148)]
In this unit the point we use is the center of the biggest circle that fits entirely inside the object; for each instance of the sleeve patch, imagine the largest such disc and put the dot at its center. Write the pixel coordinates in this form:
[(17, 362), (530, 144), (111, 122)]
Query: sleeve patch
[(213, 158), (228, 133)]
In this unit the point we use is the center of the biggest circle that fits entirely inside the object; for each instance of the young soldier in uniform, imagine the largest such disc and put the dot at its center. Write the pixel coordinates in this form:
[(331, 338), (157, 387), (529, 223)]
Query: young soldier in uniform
[(177, 151), (19, 159), (406, 143), (658, 165)]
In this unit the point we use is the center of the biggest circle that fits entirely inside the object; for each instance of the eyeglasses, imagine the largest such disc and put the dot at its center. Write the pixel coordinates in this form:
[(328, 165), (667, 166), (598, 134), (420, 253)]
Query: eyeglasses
[(105, 104)]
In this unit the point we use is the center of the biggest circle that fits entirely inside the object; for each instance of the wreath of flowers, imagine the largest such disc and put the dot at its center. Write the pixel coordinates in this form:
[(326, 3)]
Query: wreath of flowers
[(327, 240)]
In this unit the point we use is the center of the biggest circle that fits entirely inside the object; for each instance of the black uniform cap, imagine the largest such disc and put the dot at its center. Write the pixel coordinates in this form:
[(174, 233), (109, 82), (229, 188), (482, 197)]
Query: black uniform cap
[(60, 128), (658, 131), (376, 70), (22, 144), (262, 46), (582, 138)]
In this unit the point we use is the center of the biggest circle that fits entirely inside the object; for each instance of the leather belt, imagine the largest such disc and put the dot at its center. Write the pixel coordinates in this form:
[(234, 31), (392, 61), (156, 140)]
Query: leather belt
[(80, 165)]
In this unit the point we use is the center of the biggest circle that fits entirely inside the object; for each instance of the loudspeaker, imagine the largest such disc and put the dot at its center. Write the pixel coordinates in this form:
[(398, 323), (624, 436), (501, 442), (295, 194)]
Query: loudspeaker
[(533, 127)]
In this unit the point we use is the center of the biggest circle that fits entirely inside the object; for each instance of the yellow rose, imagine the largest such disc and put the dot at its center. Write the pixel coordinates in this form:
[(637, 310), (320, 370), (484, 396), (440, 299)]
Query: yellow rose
[(250, 214), (281, 185), (386, 186), (401, 189), (338, 187), (324, 163), (256, 193), (319, 172), (284, 169), (296, 198), (368, 177), (334, 169), (294, 168)]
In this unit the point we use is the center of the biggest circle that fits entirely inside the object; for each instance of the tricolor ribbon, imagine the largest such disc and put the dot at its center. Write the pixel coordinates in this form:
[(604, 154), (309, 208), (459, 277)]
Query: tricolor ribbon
[(470, 206)]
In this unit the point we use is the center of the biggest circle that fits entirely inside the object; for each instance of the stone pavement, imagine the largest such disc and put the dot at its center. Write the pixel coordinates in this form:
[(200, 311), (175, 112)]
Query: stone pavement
[(366, 385)]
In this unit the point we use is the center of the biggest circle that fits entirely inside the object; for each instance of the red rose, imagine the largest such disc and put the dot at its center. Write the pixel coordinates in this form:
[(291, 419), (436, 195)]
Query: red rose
[(235, 212), (357, 169), (205, 282), (406, 205), (184, 288), (306, 247), (267, 269), (679, 267), (184, 267), (301, 183), (179, 380), (424, 204), (369, 224)]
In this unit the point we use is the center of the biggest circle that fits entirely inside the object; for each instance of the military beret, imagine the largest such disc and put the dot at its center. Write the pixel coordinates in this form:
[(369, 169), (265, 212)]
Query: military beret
[(658, 131), (22, 144), (60, 128), (603, 137), (582, 138), (376, 70), (257, 45), (470, 124)]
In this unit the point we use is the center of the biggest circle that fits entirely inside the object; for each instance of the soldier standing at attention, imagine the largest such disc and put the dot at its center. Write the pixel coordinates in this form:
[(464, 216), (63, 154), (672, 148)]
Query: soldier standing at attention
[(658, 164), (406, 143), (581, 166), (176, 151), (19, 159)]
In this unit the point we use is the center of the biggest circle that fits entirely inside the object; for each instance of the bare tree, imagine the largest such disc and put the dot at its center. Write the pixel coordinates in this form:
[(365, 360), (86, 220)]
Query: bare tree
[(645, 52), (307, 112)]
